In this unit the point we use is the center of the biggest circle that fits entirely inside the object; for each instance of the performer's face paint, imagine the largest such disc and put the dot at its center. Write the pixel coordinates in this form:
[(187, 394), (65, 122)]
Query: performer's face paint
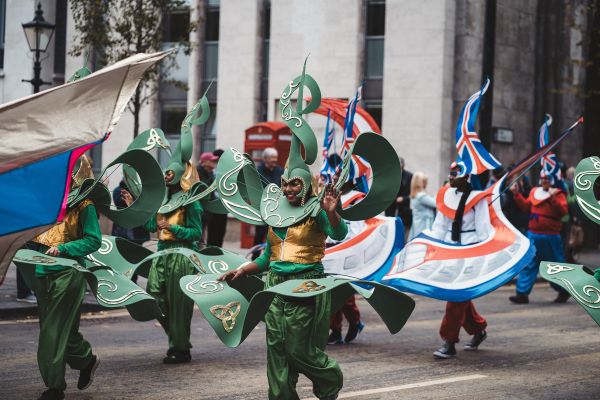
[(169, 175), (454, 180), (545, 183), (292, 190)]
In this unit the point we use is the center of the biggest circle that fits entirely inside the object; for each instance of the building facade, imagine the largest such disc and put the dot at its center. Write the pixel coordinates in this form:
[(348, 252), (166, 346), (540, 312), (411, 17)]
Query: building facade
[(419, 61)]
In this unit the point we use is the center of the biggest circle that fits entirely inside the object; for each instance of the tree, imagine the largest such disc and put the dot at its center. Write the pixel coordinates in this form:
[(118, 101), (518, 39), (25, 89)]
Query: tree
[(111, 30)]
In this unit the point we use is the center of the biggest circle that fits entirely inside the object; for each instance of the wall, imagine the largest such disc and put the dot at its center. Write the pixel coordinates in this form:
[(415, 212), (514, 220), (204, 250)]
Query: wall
[(417, 83)]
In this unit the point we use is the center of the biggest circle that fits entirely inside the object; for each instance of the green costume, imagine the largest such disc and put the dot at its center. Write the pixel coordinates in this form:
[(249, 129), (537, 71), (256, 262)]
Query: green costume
[(60, 291), (166, 271), (297, 330)]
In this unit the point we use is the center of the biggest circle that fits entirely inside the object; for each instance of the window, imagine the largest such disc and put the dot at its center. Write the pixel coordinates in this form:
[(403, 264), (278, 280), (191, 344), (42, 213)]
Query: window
[(374, 55), (176, 26), (264, 84), (171, 117)]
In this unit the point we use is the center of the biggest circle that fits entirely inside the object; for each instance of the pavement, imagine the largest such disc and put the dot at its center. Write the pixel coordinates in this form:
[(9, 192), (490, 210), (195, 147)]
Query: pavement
[(537, 351)]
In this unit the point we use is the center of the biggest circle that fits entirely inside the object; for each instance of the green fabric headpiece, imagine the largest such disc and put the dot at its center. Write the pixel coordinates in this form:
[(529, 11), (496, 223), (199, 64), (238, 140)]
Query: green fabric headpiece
[(183, 152), (586, 174), (303, 135)]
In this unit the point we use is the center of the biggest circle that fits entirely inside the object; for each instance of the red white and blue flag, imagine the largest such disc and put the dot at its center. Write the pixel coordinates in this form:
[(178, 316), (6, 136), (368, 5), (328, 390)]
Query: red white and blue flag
[(328, 170), (360, 168), (549, 161), (472, 155)]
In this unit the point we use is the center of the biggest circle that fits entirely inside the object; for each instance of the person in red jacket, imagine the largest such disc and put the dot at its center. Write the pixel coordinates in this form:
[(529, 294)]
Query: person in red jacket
[(546, 206)]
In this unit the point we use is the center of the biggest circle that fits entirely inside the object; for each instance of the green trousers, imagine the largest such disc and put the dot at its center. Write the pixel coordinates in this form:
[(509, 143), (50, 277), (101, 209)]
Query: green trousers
[(163, 285), (59, 297), (296, 339)]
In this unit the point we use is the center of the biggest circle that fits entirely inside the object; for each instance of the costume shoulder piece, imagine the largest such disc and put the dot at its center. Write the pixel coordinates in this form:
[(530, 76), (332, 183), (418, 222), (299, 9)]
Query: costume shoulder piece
[(241, 191), (447, 200)]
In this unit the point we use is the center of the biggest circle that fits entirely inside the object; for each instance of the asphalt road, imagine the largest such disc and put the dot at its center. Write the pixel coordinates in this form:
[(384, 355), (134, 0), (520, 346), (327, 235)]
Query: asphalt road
[(536, 351)]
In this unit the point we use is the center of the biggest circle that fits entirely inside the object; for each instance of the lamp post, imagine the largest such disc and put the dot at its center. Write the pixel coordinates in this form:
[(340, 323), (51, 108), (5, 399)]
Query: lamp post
[(38, 33)]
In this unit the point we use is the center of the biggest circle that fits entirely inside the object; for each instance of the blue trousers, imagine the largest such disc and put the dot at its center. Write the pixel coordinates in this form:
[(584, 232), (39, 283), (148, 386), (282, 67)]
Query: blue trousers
[(547, 248)]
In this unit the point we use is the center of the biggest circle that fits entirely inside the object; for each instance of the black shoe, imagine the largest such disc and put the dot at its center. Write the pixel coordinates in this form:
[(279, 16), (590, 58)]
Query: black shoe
[(335, 337), (52, 394), (353, 331), (334, 397), (476, 341), (562, 297), (177, 357), (519, 299), (86, 376), (446, 351)]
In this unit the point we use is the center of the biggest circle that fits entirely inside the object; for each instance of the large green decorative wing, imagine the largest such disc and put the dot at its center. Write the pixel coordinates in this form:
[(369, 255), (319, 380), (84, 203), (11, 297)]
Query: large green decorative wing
[(239, 186), (144, 207), (148, 140), (579, 281), (234, 309), (586, 174), (386, 176), (112, 289)]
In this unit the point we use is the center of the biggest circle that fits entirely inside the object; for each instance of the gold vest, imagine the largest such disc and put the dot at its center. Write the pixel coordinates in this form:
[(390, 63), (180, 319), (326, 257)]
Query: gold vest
[(303, 244), (176, 217), (66, 231)]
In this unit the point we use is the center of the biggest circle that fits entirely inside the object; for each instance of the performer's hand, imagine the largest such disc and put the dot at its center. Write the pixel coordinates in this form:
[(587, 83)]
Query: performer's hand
[(53, 251), (514, 188), (162, 224), (399, 199), (330, 200), (127, 197), (232, 275)]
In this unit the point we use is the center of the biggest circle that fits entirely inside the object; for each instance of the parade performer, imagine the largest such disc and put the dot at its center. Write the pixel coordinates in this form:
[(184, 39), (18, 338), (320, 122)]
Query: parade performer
[(298, 298), (54, 263), (60, 291), (464, 219), (178, 224), (295, 253), (546, 206), (349, 310)]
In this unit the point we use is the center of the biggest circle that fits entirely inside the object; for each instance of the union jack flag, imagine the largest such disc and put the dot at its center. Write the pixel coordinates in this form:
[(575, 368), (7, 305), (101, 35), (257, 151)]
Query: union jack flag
[(472, 156), (549, 161), (360, 168)]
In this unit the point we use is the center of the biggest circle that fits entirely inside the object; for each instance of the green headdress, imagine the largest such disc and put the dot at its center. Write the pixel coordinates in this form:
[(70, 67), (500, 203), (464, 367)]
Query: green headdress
[(183, 152), (297, 167)]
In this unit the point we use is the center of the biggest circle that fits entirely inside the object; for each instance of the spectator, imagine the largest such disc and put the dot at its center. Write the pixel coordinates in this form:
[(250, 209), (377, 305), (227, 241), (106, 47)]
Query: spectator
[(206, 172), (217, 223), (421, 204), (547, 206), (401, 207), (138, 234), (270, 172), (496, 175)]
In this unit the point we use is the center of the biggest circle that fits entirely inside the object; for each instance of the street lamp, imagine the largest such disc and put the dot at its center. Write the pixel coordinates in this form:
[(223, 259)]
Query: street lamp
[(38, 33)]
